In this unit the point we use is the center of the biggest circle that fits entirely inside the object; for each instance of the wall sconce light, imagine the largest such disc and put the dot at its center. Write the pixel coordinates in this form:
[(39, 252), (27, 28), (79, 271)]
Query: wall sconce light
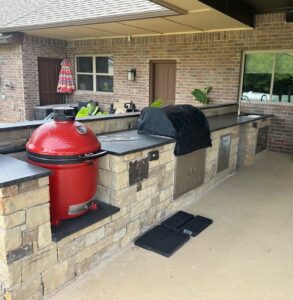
[(289, 16), (131, 74)]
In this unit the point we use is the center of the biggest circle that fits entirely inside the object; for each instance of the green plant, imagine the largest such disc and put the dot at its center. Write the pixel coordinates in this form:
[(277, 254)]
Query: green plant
[(157, 103), (102, 113), (90, 110), (201, 95), (83, 112)]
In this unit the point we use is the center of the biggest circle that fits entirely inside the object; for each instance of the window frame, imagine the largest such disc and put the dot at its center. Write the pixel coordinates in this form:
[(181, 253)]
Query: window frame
[(94, 74), (275, 52)]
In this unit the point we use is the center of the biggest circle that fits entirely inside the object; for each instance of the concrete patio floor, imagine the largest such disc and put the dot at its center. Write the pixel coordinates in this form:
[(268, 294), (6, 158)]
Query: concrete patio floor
[(247, 253)]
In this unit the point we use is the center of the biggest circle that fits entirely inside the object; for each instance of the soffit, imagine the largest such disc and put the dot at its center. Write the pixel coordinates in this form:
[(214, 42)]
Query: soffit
[(194, 16), (208, 20)]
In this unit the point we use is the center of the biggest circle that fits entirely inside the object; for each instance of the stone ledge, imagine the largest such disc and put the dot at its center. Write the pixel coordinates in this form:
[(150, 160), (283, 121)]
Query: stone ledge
[(14, 171), (72, 226)]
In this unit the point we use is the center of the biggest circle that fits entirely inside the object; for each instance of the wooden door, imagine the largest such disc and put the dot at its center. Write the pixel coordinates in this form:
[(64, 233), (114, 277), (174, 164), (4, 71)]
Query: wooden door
[(163, 81), (49, 69)]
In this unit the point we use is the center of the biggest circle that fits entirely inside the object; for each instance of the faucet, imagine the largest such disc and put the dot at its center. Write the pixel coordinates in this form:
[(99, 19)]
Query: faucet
[(239, 102)]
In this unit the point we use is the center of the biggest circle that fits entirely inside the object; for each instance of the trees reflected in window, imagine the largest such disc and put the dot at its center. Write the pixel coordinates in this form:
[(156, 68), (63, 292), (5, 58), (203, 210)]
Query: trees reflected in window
[(283, 78), (268, 77)]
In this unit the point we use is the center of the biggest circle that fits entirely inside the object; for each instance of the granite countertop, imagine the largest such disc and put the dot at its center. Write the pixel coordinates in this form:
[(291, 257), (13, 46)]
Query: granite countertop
[(129, 141), (224, 121), (14, 171), (36, 123), (121, 143)]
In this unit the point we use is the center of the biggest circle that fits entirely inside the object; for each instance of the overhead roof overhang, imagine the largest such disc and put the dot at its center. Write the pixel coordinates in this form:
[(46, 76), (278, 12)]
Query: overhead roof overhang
[(162, 18), (182, 16)]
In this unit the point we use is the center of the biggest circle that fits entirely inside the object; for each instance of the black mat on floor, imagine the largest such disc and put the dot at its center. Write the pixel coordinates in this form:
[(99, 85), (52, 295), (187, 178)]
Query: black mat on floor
[(162, 240), (196, 225), (177, 220), (173, 233)]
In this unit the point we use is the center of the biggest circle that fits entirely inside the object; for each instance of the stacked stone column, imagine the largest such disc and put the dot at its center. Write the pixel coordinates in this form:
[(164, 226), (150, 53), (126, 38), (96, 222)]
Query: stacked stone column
[(26, 248)]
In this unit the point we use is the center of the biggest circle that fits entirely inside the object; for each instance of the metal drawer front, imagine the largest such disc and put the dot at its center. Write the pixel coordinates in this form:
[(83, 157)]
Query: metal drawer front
[(224, 152), (189, 172), (262, 139)]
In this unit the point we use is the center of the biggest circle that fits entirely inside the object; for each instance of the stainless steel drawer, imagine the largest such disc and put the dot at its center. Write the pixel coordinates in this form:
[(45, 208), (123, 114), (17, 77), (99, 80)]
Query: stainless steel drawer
[(189, 172), (224, 152)]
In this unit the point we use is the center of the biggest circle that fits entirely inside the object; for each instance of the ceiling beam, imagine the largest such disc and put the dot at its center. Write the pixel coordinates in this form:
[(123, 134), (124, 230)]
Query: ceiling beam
[(234, 9), (192, 27), (138, 27)]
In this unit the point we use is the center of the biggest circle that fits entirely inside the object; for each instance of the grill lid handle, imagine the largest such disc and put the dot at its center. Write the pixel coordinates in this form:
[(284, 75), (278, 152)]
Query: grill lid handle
[(51, 160), (89, 156), (64, 113)]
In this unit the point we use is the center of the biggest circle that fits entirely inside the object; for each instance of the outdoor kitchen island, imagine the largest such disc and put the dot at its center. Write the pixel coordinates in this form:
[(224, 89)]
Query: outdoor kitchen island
[(137, 176)]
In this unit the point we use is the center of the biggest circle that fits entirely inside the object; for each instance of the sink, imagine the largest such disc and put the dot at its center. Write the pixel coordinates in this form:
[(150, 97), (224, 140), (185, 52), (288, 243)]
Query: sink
[(117, 138), (252, 116)]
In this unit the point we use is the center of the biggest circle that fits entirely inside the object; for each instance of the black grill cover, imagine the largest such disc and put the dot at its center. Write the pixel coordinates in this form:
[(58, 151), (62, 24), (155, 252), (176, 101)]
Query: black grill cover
[(186, 123)]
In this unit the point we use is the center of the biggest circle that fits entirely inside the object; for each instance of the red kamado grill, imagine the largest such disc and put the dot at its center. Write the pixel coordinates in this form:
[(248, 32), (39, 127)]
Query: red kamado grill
[(71, 151)]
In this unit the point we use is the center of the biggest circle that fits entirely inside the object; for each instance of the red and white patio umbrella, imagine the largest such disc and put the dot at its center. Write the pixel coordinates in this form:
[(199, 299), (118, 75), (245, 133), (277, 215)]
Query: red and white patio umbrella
[(65, 81)]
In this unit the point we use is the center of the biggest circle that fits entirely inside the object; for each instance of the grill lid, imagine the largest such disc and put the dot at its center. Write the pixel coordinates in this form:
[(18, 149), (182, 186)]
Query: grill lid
[(186, 123), (63, 137)]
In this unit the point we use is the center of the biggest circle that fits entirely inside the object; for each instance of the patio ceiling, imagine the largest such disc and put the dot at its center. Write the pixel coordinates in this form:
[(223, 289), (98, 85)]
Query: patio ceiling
[(187, 16), (160, 17), (112, 18)]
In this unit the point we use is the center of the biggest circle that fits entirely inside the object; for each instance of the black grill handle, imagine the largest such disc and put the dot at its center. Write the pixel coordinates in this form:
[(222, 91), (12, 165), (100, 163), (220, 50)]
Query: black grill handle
[(45, 159), (90, 156)]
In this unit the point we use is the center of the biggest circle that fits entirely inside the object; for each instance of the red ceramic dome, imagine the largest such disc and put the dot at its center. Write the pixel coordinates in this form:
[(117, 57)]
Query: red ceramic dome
[(63, 138), (70, 150)]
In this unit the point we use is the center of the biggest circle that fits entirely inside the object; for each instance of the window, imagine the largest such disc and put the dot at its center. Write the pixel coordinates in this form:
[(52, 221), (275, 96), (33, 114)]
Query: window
[(94, 73), (268, 77)]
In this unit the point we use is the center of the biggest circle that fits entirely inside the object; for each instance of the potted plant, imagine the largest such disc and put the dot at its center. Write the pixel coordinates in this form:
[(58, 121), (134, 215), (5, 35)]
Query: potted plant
[(201, 95), (157, 103)]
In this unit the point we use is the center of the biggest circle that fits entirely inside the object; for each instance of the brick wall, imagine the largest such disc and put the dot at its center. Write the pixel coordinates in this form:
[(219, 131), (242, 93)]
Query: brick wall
[(276, 35), (11, 99), (281, 136), (203, 59), (33, 48)]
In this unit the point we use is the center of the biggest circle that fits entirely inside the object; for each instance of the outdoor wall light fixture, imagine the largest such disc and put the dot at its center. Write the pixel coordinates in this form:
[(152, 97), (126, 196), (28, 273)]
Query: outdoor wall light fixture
[(289, 16), (131, 74)]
